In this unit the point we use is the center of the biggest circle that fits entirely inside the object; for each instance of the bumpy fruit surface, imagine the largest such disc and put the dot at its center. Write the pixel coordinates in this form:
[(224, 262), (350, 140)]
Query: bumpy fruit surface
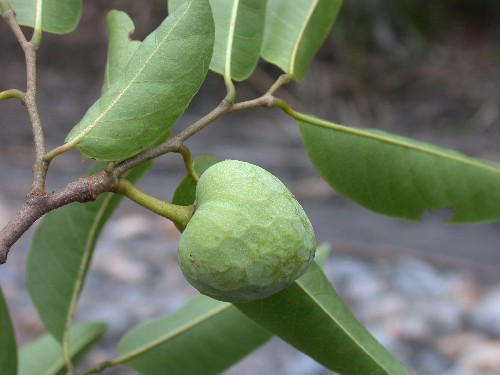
[(248, 238)]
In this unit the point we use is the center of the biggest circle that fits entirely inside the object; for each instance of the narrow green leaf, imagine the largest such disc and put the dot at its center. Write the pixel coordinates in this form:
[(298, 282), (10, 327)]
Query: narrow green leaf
[(120, 47), (239, 30), (311, 317), (61, 250), (295, 30), (400, 177), (58, 16), (43, 356), (205, 336), (8, 348), (158, 83)]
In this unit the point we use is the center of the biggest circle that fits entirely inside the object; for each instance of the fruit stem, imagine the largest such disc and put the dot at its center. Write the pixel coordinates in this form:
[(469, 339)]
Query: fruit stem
[(178, 214), (188, 163)]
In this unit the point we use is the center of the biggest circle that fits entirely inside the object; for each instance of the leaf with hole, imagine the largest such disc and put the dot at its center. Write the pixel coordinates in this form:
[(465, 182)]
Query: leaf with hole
[(294, 32), (58, 16), (400, 177), (66, 254), (43, 356), (158, 83)]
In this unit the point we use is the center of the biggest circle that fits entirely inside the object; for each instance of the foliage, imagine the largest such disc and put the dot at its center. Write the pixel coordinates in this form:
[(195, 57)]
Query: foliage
[(146, 87)]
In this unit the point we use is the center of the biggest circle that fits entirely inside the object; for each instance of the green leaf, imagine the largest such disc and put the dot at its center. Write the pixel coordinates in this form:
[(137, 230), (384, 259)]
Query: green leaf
[(58, 16), (191, 340), (8, 349), (185, 193), (120, 47), (295, 30), (43, 356), (61, 250), (158, 83), (322, 254), (205, 336), (174, 4), (311, 317), (400, 177), (239, 30)]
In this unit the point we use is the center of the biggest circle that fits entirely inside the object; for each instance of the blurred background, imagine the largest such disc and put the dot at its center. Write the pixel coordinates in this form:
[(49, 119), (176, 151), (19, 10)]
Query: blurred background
[(426, 69)]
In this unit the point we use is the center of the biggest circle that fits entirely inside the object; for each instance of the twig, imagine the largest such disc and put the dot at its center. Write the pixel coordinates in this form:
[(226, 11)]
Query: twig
[(188, 163), (84, 189), (12, 94), (40, 166), (178, 214), (107, 180)]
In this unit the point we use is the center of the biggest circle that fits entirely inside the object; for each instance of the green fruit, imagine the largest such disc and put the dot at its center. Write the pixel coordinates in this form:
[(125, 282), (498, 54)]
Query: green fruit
[(248, 238)]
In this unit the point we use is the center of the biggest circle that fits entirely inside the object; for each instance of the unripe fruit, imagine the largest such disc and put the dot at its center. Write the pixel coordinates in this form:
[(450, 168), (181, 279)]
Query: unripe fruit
[(248, 238)]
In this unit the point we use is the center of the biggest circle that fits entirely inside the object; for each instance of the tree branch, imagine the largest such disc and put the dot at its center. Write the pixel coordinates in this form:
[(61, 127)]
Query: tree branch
[(40, 166), (84, 189), (87, 189)]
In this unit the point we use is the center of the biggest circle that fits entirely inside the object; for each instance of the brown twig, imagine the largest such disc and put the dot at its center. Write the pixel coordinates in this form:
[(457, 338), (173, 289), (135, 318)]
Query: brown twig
[(29, 48), (84, 189)]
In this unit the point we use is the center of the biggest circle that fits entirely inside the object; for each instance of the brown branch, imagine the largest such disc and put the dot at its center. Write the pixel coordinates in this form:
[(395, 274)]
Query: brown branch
[(174, 144), (40, 166), (84, 189)]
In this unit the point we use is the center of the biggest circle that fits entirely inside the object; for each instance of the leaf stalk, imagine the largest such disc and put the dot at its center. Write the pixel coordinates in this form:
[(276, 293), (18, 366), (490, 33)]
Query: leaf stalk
[(12, 94)]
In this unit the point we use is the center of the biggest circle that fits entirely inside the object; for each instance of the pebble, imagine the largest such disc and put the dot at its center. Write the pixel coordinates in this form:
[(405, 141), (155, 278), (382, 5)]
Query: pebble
[(486, 316)]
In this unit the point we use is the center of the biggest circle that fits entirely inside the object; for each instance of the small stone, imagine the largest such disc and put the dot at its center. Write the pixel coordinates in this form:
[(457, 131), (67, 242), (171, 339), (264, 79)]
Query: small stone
[(415, 277), (486, 317), (484, 357)]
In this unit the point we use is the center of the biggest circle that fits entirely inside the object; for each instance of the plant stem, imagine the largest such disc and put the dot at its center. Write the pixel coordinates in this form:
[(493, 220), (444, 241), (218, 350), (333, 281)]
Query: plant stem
[(173, 144), (40, 166), (56, 151), (188, 163), (4, 6), (88, 188), (282, 80), (36, 38), (178, 214), (12, 94)]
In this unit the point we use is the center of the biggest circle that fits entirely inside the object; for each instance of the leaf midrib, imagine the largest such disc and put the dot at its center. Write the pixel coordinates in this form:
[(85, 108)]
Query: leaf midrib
[(322, 308), (230, 39), (87, 250), (300, 35), (170, 335), (376, 137)]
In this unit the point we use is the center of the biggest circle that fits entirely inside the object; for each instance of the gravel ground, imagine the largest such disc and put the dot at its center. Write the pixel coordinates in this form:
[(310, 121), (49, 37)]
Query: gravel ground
[(438, 316), (428, 291)]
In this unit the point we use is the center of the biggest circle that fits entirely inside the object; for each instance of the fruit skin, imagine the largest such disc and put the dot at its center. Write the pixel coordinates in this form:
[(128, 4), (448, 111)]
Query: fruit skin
[(248, 238)]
